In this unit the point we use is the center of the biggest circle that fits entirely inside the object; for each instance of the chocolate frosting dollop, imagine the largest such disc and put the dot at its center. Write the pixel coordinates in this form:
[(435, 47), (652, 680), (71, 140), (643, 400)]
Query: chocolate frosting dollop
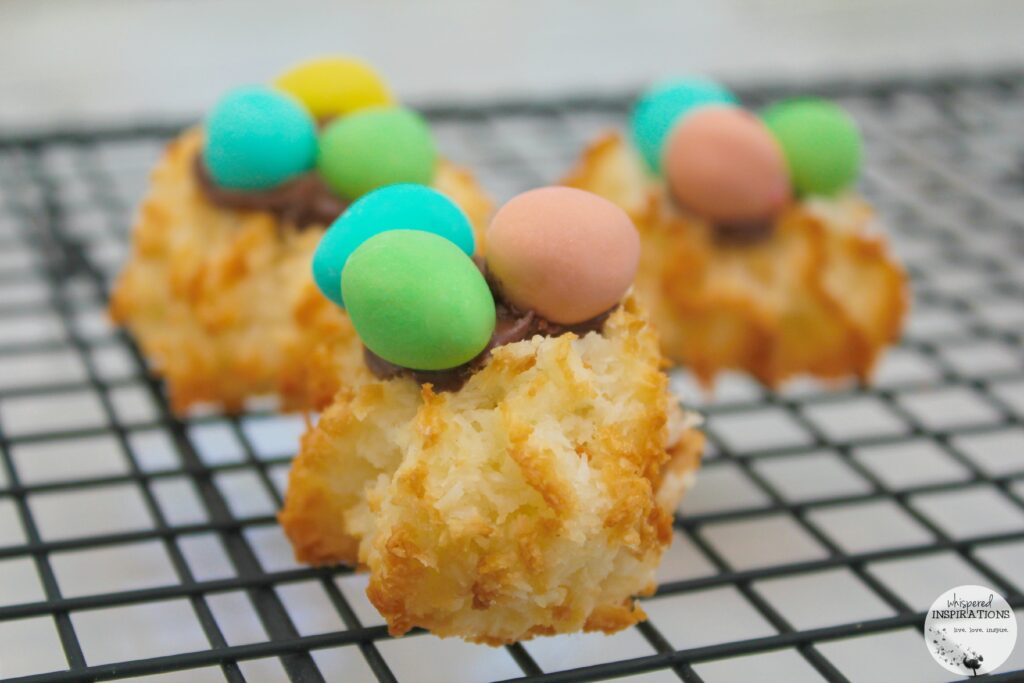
[(302, 201), (733, 233), (511, 325), (740, 233)]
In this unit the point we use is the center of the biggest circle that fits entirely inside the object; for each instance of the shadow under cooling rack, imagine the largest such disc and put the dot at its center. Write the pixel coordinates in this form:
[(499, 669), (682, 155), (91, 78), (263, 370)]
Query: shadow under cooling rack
[(824, 522)]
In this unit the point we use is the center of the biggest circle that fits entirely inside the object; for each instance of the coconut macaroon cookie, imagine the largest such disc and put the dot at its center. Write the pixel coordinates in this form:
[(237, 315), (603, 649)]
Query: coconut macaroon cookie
[(218, 290), (757, 252), (509, 465)]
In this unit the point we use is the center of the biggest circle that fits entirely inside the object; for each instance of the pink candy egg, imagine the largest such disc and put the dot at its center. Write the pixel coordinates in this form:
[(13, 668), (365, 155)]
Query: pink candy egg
[(567, 254), (723, 164)]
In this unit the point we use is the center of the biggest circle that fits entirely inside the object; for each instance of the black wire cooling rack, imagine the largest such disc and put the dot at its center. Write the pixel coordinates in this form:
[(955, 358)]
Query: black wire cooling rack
[(824, 522)]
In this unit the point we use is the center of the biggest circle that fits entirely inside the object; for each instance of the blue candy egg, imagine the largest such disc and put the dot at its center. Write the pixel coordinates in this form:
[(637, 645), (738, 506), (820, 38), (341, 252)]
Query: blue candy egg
[(662, 105), (257, 138), (394, 207)]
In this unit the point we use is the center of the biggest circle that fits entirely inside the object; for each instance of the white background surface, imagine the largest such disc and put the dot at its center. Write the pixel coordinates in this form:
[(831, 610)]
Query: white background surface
[(65, 62)]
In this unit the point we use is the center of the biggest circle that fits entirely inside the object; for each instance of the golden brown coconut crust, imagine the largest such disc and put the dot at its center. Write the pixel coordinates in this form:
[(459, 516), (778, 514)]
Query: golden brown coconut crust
[(223, 302), (821, 296), (535, 500)]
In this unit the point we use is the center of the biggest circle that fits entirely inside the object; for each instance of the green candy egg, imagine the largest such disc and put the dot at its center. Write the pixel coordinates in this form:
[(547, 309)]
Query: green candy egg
[(417, 300), (375, 147), (820, 141)]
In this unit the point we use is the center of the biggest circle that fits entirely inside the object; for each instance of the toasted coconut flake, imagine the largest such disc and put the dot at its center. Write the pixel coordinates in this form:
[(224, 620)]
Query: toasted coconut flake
[(821, 296), (223, 302), (535, 500)]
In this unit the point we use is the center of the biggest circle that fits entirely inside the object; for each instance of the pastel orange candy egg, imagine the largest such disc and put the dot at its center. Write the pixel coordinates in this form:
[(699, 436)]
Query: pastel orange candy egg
[(723, 164), (566, 254)]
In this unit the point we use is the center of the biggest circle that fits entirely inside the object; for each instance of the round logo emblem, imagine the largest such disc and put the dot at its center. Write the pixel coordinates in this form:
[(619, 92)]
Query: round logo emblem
[(970, 630)]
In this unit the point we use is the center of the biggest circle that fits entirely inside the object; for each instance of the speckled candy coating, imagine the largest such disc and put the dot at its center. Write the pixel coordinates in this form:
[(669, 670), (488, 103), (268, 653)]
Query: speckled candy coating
[(256, 138), (567, 254), (820, 141), (723, 164), (417, 300), (395, 207), (662, 106), (376, 147), (334, 86)]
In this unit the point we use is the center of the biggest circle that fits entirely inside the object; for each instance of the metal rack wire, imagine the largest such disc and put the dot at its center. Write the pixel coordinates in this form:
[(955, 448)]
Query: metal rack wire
[(134, 543)]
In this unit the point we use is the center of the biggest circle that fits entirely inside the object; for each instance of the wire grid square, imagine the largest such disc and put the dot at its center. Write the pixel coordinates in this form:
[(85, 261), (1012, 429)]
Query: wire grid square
[(138, 546), (87, 571), (799, 599)]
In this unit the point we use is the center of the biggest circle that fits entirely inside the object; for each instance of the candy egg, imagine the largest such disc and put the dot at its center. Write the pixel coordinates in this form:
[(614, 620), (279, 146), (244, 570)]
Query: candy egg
[(333, 86), (567, 254), (723, 164), (661, 106), (416, 300), (408, 207), (821, 144), (257, 138), (376, 147)]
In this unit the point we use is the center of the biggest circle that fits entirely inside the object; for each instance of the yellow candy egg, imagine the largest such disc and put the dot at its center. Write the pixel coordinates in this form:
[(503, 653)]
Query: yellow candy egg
[(333, 86)]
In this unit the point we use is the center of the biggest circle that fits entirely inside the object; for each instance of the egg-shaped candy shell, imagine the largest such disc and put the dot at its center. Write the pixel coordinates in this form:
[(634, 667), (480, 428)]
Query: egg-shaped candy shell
[(567, 254), (334, 86), (821, 143), (256, 138), (375, 147), (723, 164), (395, 207), (416, 300), (663, 105)]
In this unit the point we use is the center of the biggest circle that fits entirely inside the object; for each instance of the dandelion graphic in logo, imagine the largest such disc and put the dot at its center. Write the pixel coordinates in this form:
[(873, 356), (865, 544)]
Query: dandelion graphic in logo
[(954, 653), (970, 630)]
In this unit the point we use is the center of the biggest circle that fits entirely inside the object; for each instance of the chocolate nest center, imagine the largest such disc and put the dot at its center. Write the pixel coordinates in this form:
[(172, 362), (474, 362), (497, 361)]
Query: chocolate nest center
[(303, 201), (511, 325), (732, 233)]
